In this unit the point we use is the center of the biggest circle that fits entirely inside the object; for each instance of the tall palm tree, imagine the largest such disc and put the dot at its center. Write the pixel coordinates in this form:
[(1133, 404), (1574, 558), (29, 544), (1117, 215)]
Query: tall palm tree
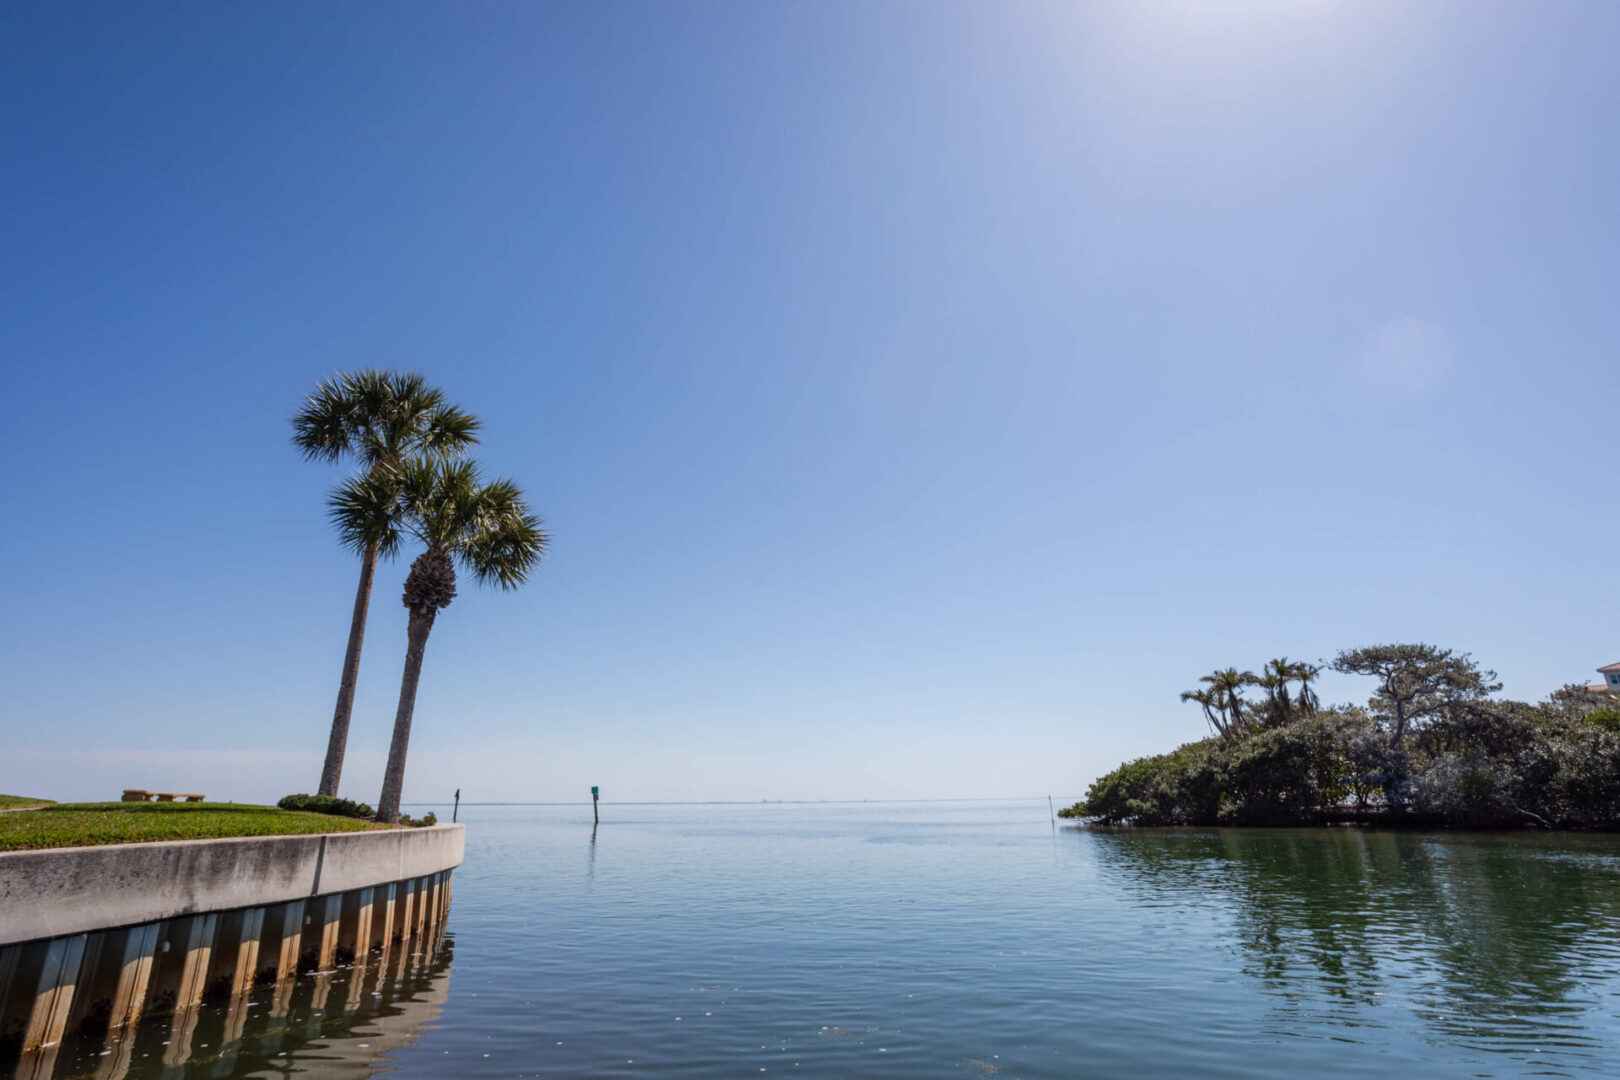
[(379, 418), (487, 529)]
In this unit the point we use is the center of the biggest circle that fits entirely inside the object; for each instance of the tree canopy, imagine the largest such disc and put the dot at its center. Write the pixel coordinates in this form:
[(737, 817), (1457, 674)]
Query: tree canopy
[(380, 418), (1432, 745)]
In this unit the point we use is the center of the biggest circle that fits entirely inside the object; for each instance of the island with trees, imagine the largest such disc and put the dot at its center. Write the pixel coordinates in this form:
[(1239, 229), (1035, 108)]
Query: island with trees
[(1434, 745)]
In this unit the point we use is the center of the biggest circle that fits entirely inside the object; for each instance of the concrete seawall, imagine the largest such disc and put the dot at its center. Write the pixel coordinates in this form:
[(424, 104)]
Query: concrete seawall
[(75, 890), (97, 937)]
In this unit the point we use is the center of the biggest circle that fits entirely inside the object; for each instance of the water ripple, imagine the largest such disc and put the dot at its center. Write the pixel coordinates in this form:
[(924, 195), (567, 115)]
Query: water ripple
[(965, 940)]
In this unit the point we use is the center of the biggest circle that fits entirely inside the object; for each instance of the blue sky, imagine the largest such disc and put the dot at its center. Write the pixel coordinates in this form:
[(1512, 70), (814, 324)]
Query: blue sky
[(920, 395)]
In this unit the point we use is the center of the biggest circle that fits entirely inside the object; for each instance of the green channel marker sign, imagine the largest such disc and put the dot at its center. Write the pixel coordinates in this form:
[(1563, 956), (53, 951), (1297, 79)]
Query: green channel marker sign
[(594, 789)]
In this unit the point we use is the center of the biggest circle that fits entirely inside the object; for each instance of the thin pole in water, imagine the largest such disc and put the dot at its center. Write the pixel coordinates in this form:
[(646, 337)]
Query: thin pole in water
[(457, 808), (596, 816), (1053, 811)]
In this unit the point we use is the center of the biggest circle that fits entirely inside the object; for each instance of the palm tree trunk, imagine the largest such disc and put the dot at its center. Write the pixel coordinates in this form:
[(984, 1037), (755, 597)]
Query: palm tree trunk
[(394, 777), (339, 740)]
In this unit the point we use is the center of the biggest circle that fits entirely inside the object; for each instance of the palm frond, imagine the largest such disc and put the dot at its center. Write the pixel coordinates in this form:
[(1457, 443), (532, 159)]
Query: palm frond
[(448, 432), (367, 510), (321, 426), (487, 527), (505, 554), (438, 497), (380, 417)]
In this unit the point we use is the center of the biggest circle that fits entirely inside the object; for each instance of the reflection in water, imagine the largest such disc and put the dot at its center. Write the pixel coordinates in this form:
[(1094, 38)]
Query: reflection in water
[(1492, 941), (334, 1025), (933, 940)]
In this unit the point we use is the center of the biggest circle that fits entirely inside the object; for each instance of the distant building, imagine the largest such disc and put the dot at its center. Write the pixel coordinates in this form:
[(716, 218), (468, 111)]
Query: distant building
[(1611, 679)]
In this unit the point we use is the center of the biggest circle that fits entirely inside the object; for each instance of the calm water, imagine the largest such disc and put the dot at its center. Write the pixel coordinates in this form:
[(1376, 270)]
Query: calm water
[(939, 940)]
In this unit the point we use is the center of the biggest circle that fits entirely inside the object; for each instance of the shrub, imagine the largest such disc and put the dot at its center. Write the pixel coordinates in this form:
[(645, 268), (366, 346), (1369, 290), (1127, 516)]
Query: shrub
[(1177, 788), (1284, 775), (327, 804), (1468, 787), (1606, 717)]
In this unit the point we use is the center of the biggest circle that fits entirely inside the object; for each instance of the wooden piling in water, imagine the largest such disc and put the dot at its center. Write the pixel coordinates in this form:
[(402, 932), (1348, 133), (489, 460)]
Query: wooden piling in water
[(115, 1063), (38, 1064), (92, 993), (182, 1032), (407, 913), (199, 932), (135, 974), (327, 921), (424, 889), (354, 930), (433, 913), (382, 920), (289, 939), (243, 963), (53, 997), (317, 1003), (230, 1045)]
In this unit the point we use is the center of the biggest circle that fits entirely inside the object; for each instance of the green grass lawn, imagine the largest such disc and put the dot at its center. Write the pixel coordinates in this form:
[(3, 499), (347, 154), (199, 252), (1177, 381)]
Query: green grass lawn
[(14, 802), (79, 824)]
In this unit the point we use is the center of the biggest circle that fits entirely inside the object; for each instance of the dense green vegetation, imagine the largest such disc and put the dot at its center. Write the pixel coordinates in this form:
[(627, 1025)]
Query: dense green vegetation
[(17, 802), (1431, 746), (80, 824), (327, 804)]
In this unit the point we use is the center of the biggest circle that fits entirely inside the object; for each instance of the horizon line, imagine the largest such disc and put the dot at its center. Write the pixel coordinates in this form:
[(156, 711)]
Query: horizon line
[(739, 802)]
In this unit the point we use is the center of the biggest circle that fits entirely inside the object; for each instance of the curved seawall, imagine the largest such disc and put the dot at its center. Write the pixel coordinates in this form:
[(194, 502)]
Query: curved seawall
[(100, 936), (75, 890)]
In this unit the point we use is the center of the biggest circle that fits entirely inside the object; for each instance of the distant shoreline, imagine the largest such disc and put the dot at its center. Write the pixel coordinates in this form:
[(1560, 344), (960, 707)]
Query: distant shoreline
[(1413, 824), (750, 802)]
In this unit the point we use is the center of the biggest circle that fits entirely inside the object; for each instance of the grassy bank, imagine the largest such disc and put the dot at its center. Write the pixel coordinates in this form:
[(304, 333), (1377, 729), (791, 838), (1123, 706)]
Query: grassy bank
[(81, 824), (21, 802)]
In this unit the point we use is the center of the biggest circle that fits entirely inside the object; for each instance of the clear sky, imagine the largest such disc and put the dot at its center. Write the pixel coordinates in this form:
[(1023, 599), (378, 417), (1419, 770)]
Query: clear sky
[(920, 395)]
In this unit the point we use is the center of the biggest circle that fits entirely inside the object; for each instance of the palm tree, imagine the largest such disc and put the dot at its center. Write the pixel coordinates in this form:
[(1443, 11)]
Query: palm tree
[(490, 531), (1214, 708), (1274, 678), (380, 418), (1226, 686), (1305, 673)]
